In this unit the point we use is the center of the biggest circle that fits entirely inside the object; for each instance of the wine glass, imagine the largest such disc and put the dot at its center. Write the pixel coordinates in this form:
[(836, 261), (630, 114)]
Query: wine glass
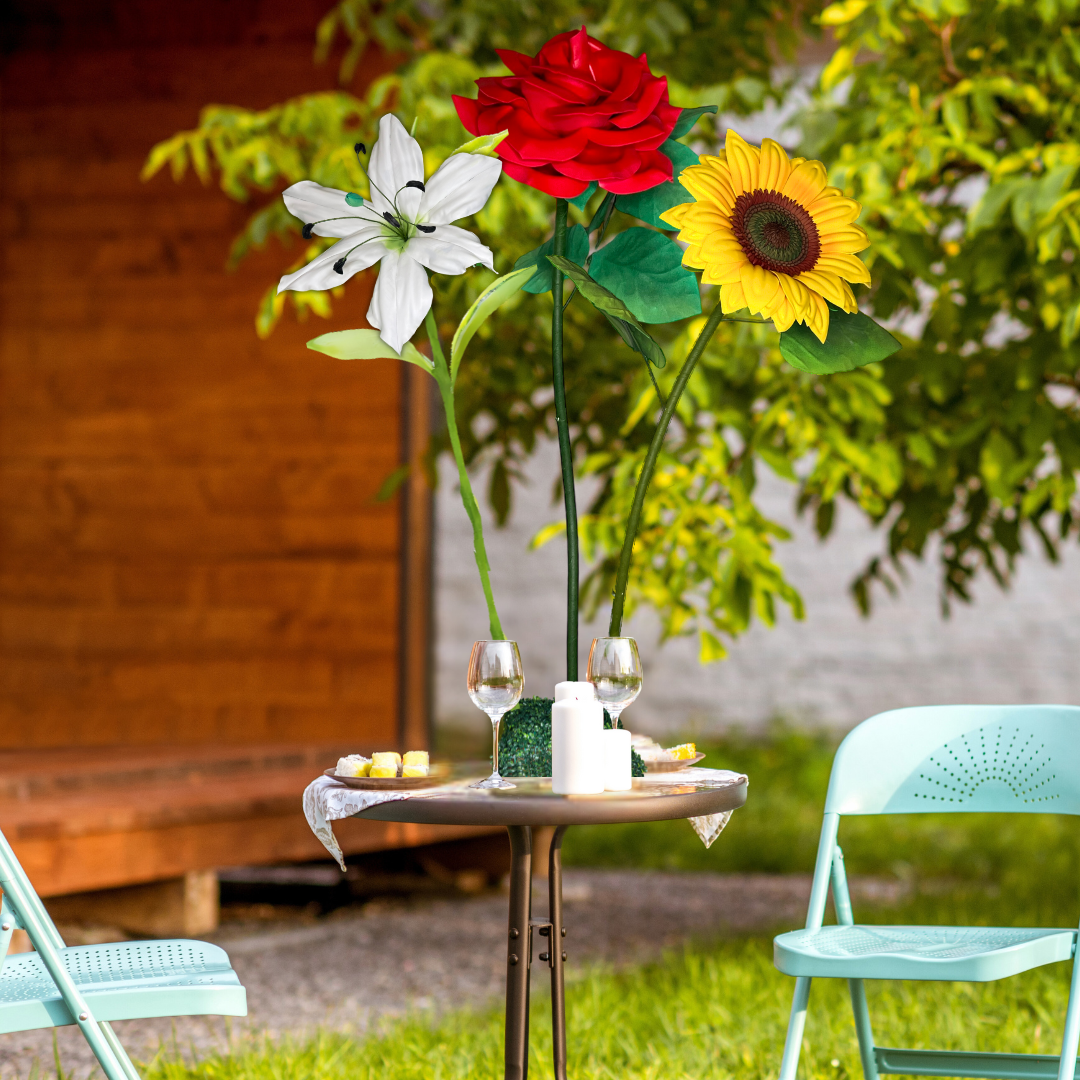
[(495, 684), (615, 672)]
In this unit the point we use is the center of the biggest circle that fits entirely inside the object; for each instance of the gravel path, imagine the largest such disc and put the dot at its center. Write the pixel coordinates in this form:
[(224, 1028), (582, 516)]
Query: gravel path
[(358, 964)]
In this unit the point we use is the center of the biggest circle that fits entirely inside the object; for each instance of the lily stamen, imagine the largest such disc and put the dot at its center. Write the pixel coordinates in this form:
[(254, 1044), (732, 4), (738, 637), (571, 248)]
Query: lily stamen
[(306, 231), (339, 266), (359, 149)]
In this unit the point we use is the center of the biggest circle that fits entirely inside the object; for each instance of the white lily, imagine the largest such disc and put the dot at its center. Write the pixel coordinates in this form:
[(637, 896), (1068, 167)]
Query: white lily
[(406, 224)]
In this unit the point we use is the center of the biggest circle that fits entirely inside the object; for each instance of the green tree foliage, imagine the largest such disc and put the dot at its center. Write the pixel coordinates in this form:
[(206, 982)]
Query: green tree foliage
[(955, 438), (961, 137)]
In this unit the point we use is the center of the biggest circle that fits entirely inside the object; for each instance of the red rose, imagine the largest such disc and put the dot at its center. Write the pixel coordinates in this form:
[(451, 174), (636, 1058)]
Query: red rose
[(578, 112)]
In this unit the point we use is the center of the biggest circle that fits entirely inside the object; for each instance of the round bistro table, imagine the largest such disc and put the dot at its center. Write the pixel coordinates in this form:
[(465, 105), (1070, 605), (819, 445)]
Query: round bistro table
[(531, 804)]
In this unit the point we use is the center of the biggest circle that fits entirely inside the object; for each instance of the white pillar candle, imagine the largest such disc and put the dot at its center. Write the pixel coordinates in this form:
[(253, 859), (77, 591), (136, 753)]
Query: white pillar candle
[(577, 729), (617, 767)]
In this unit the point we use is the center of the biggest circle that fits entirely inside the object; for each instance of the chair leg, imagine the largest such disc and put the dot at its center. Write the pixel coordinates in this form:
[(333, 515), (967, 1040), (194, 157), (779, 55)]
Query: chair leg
[(789, 1066), (112, 1064), (862, 1028), (117, 1048), (1071, 1040)]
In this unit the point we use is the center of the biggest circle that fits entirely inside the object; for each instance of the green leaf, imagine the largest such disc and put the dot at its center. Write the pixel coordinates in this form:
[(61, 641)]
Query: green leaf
[(645, 402), (482, 144), (622, 318), (688, 118), (777, 460), (996, 460), (499, 492), (644, 268), (853, 341), (577, 250), (987, 210), (548, 532), (602, 299), (1070, 325), (711, 648), (601, 213), (391, 484), (582, 200), (649, 205), (839, 67), (1038, 196), (955, 114), (366, 345), (495, 295), (638, 340)]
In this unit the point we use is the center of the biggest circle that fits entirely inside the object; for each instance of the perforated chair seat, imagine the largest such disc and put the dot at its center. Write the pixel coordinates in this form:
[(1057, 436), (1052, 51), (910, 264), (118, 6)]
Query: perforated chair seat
[(127, 980), (940, 953)]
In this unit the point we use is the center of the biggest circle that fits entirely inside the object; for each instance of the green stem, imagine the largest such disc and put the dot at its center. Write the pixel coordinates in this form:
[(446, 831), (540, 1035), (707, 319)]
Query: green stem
[(562, 423), (647, 469), (446, 390)]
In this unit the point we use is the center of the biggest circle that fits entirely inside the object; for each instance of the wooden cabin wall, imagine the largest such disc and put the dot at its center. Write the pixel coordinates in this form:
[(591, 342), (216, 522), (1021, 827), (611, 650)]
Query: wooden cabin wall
[(190, 552)]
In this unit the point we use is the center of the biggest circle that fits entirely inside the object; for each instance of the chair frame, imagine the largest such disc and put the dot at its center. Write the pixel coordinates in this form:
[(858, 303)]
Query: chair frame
[(21, 908), (829, 873)]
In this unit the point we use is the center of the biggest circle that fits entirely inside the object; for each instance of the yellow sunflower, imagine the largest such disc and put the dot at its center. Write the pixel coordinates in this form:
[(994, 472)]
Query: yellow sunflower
[(771, 233)]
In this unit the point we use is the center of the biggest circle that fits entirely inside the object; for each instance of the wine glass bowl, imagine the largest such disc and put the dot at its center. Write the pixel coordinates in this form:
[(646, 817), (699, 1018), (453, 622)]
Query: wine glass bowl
[(495, 694), (495, 683), (615, 672)]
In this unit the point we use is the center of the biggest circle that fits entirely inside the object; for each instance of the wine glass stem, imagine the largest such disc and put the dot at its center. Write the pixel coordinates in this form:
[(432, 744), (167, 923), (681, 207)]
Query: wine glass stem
[(496, 720), (614, 713)]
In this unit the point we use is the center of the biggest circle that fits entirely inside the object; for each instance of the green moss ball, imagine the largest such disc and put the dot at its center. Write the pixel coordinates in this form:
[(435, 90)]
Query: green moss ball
[(525, 740)]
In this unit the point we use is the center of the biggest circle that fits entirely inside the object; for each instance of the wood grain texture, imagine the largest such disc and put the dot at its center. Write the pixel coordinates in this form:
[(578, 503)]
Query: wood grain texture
[(57, 866), (190, 550), (417, 566), (102, 817)]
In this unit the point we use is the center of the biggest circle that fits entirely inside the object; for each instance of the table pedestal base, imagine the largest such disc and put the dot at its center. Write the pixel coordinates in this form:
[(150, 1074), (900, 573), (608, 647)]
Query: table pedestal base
[(519, 952)]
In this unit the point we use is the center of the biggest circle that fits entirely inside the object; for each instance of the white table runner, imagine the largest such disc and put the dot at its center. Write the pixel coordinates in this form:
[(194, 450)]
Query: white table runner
[(327, 800)]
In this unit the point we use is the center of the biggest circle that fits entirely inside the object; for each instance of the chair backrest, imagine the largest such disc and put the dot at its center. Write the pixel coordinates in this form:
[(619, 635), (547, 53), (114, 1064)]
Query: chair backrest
[(960, 758)]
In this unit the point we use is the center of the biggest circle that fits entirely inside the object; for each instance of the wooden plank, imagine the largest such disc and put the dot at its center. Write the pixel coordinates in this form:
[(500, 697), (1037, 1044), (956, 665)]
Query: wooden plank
[(417, 569), (109, 860), (189, 546)]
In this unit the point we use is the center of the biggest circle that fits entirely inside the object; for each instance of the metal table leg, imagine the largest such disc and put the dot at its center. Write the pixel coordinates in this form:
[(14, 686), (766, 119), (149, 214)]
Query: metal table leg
[(519, 953), (556, 955)]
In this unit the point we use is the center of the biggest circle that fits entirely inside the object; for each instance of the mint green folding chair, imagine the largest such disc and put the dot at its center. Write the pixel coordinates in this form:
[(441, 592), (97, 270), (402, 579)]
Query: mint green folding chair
[(90, 985), (969, 758)]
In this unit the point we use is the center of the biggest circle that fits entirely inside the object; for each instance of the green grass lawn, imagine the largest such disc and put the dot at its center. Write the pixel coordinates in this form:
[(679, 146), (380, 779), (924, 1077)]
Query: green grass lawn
[(720, 1009), (714, 1012)]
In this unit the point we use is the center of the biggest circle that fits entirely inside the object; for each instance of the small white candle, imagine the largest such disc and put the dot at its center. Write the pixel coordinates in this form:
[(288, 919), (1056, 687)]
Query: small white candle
[(617, 766), (577, 729)]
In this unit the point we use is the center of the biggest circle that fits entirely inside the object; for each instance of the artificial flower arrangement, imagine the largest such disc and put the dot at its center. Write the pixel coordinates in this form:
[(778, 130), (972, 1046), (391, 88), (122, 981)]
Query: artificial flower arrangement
[(578, 118)]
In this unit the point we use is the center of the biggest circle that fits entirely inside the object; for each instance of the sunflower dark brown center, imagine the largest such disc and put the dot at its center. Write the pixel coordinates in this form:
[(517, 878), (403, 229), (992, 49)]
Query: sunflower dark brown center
[(775, 232)]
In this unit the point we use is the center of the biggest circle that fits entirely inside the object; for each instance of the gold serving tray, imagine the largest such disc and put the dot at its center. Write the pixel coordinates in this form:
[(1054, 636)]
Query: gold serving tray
[(438, 775)]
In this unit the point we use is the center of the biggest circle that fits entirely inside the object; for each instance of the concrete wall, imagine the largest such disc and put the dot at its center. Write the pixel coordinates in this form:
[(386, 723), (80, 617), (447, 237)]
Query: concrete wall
[(834, 668)]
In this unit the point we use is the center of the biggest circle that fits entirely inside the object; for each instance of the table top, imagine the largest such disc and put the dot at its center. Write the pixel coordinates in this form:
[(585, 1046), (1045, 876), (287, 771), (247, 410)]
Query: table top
[(532, 802)]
